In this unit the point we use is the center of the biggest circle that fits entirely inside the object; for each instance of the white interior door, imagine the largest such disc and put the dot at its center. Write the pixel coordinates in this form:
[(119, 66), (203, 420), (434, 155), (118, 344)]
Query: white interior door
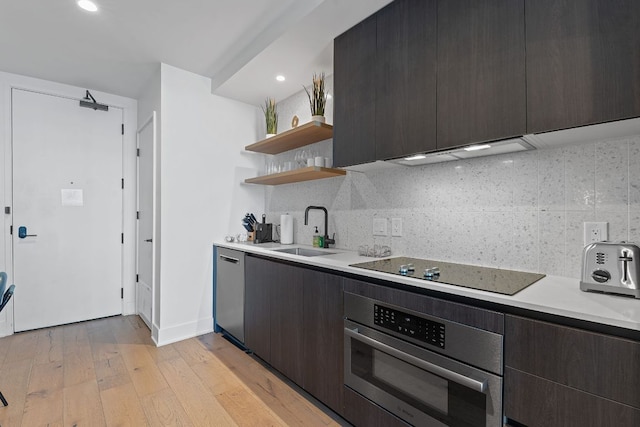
[(67, 171), (145, 225)]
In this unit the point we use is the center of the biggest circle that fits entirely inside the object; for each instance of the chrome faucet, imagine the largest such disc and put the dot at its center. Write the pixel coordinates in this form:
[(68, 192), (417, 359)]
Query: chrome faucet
[(327, 240)]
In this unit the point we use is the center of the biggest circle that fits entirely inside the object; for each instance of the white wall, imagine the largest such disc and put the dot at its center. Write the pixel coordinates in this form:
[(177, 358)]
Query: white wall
[(9, 81), (202, 165)]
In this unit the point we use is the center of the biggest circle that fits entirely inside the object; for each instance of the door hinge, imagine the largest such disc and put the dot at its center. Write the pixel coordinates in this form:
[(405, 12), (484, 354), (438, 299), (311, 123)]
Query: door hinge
[(138, 215), (137, 278), (123, 129), (137, 152), (121, 293), (122, 183), (122, 238), (7, 210), (11, 230)]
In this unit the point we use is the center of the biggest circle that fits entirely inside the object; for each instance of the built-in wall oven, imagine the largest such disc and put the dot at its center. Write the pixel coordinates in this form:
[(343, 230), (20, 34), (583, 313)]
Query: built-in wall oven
[(426, 370)]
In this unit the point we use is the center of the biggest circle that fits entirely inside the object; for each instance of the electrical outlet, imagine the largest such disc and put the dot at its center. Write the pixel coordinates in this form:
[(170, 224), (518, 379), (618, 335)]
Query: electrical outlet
[(595, 232), (380, 226), (396, 227)]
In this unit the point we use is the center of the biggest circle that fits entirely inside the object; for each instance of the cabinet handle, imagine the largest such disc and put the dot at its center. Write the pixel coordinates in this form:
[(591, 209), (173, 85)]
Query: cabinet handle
[(479, 386), (229, 259)]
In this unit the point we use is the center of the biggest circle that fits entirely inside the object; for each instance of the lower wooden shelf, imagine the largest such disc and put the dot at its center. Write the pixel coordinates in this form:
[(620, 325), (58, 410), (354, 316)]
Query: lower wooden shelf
[(296, 175)]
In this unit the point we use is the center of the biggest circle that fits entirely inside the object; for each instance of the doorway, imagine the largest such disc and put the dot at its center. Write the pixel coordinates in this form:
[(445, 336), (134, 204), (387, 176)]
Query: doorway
[(67, 210), (145, 246)]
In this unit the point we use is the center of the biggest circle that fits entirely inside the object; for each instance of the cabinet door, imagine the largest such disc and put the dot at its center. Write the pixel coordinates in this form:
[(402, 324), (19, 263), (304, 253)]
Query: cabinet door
[(598, 364), (360, 411), (582, 62), (406, 78), (535, 402), (481, 71), (355, 95), (323, 338), (259, 275), (286, 320)]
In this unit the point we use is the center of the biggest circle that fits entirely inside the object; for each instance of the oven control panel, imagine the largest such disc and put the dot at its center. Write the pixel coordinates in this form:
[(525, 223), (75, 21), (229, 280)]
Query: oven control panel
[(409, 325)]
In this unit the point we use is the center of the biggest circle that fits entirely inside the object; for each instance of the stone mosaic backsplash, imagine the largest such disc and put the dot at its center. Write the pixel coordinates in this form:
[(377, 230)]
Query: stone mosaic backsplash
[(520, 211)]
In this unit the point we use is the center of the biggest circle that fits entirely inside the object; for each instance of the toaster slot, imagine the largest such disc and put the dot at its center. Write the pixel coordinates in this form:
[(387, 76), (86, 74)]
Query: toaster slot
[(625, 259)]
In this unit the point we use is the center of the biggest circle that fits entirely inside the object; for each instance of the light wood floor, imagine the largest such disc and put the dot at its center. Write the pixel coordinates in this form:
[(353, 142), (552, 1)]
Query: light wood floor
[(108, 372)]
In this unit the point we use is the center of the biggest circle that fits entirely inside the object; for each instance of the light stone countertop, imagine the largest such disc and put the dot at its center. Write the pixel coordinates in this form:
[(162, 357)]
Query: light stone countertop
[(552, 295)]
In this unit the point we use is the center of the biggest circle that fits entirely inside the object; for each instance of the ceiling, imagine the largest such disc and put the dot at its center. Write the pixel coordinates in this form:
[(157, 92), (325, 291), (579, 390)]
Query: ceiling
[(240, 45)]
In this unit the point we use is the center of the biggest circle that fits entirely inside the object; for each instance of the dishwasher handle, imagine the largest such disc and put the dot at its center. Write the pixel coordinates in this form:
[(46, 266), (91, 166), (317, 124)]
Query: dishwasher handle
[(229, 259), (479, 386)]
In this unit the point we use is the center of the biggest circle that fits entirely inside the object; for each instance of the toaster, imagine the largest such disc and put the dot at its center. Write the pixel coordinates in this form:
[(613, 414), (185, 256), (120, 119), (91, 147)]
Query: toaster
[(611, 267)]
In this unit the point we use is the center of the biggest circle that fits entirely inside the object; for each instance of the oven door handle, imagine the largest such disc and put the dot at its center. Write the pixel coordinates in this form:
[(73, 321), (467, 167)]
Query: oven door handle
[(479, 386)]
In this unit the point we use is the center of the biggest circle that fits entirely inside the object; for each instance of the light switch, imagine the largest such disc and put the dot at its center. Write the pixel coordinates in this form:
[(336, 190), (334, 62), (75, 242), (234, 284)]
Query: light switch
[(379, 226)]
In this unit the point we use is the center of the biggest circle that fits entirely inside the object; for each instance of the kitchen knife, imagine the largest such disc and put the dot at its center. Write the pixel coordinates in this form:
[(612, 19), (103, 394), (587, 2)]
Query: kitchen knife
[(253, 219), (246, 226)]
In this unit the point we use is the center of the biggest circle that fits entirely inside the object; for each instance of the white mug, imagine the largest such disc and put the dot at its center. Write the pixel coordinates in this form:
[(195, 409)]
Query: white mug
[(310, 161), (319, 161)]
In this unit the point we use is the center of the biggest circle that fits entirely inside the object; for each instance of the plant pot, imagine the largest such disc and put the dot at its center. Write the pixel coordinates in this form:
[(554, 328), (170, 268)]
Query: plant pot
[(320, 119), (269, 135)]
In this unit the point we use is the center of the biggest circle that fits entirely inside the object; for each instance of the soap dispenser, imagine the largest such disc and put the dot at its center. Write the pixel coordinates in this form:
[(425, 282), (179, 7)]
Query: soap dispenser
[(316, 238)]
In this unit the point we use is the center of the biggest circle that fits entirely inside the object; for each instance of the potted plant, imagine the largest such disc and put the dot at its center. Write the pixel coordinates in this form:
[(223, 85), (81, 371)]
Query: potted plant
[(317, 98), (270, 116)]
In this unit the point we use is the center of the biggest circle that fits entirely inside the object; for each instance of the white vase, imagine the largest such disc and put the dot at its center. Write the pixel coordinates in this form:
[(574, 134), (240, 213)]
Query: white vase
[(269, 135), (320, 119)]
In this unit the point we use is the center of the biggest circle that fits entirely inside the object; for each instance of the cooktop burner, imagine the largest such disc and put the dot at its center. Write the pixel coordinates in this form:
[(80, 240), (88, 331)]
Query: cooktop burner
[(507, 282)]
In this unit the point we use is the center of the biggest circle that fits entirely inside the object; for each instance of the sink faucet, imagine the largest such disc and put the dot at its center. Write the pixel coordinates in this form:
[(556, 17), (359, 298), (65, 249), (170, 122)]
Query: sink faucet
[(327, 240)]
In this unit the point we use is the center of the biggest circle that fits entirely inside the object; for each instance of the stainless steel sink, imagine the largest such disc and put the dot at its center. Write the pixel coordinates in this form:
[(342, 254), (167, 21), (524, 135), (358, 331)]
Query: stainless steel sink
[(304, 251)]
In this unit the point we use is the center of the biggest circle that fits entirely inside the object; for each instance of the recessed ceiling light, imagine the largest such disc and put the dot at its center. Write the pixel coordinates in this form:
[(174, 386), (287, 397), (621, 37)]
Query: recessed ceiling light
[(88, 5), (416, 157), (280, 78), (477, 147), (329, 96)]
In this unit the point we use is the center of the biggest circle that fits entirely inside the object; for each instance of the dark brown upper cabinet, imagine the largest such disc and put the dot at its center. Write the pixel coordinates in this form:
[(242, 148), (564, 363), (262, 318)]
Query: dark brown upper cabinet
[(406, 78), (583, 62), (354, 85), (481, 71)]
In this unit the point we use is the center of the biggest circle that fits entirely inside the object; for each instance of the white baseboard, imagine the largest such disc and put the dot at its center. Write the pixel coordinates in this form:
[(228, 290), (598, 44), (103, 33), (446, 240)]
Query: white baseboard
[(169, 335), (129, 308)]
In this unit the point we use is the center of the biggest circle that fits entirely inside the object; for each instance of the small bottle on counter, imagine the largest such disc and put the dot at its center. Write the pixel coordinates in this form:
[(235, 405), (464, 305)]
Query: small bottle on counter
[(316, 238)]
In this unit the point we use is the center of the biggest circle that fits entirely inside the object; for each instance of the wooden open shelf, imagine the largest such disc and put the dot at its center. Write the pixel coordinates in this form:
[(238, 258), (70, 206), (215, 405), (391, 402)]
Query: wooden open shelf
[(296, 175), (300, 136)]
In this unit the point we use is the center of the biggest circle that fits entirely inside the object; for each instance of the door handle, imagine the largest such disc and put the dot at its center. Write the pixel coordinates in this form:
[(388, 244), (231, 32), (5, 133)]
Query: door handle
[(149, 240), (473, 384), (229, 259), (22, 232)]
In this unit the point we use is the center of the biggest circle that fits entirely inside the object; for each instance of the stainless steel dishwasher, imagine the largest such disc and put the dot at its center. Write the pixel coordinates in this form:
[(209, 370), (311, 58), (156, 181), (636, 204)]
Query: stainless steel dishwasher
[(230, 292)]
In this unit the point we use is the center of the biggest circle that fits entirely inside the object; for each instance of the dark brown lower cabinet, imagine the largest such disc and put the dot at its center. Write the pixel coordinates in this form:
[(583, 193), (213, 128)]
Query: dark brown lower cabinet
[(259, 274), (323, 338), (286, 318), (363, 412), (535, 401), (293, 321), (558, 375)]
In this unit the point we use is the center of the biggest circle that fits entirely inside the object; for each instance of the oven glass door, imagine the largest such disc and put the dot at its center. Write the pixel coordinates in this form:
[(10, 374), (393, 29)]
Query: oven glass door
[(429, 391)]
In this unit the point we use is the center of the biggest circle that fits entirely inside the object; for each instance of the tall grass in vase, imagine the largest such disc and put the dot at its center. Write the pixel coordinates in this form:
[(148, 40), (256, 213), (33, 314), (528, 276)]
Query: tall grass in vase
[(317, 98), (270, 116)]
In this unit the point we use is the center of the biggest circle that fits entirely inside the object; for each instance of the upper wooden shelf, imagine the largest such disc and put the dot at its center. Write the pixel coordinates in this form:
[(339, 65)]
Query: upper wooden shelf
[(295, 138), (296, 175)]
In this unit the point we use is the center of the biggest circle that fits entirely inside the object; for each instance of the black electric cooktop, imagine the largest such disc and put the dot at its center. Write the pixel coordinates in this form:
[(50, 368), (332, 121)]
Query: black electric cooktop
[(507, 282)]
